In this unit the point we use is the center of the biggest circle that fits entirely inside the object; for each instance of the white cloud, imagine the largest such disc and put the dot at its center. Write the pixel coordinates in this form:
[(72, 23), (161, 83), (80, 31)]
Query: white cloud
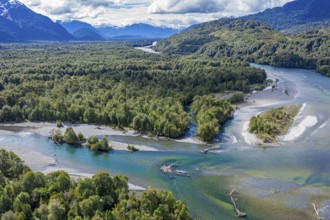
[(206, 6), (184, 6), (171, 13)]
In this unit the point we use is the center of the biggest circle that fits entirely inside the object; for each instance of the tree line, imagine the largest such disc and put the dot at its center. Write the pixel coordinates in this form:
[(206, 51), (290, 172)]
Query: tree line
[(233, 40), (111, 84), (31, 195), (210, 114)]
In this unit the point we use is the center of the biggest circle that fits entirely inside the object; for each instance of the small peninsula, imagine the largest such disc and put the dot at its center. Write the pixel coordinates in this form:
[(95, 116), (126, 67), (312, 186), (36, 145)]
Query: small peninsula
[(270, 124)]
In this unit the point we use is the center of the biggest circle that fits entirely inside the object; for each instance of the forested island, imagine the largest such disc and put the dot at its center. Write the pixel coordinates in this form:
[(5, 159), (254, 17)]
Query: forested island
[(114, 84), (56, 196), (270, 124)]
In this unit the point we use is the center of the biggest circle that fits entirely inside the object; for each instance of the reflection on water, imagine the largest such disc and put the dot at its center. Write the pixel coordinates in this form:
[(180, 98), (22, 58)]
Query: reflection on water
[(275, 183)]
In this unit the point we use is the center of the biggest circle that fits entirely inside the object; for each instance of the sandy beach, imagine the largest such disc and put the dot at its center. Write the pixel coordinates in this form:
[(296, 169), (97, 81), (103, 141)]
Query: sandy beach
[(300, 124), (296, 131), (44, 128), (190, 141), (250, 138), (76, 175), (284, 91)]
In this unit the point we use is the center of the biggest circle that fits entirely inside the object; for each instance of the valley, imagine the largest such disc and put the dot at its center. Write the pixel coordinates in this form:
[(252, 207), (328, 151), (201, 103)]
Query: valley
[(164, 110), (273, 177)]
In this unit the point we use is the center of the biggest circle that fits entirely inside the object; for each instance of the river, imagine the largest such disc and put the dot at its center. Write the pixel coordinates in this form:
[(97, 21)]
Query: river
[(274, 183), (148, 49)]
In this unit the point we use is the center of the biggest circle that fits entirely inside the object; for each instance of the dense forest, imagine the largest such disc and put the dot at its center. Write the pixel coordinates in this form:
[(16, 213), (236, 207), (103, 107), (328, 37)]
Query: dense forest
[(252, 41), (111, 84), (55, 196), (210, 114)]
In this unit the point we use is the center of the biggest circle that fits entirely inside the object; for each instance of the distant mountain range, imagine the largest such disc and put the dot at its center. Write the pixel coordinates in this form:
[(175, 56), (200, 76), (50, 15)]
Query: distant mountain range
[(138, 31), (135, 31), (297, 16), (82, 31), (19, 23)]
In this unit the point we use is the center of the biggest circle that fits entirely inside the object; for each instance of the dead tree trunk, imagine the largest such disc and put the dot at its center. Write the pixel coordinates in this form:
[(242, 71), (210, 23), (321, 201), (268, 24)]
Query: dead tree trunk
[(233, 200), (169, 170), (317, 212), (205, 151)]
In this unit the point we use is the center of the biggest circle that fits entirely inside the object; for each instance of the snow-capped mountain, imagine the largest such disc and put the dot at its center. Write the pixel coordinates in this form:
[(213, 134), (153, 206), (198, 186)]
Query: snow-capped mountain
[(7, 6), (19, 23)]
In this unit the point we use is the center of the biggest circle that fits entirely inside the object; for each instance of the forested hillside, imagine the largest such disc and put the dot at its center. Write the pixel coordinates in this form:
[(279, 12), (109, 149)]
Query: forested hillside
[(111, 84), (233, 40), (30, 195), (296, 16)]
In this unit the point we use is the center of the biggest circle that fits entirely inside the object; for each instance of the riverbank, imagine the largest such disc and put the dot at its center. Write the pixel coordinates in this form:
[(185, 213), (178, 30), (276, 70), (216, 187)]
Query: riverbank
[(46, 164), (280, 91), (250, 138), (298, 126), (44, 128), (269, 125), (88, 130), (76, 175), (296, 131)]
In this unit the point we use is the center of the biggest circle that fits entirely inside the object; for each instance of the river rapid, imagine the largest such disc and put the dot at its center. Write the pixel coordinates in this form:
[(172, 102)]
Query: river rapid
[(280, 182)]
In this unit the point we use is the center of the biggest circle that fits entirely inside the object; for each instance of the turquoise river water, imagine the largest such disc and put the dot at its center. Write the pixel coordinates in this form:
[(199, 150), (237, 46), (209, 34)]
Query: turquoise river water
[(274, 183)]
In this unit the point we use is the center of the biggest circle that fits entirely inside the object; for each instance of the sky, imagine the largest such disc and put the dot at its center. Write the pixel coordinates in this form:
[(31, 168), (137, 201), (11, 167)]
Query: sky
[(169, 13)]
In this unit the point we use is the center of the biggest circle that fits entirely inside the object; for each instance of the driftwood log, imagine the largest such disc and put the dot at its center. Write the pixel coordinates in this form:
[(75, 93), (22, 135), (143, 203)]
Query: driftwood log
[(205, 151), (233, 200), (169, 170), (317, 212)]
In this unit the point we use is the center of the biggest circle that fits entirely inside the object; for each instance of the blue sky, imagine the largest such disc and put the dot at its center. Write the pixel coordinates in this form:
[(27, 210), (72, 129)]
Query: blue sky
[(170, 13)]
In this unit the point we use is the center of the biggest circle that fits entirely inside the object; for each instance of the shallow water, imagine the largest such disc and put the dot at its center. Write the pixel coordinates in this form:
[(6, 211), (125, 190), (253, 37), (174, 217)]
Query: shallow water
[(274, 183)]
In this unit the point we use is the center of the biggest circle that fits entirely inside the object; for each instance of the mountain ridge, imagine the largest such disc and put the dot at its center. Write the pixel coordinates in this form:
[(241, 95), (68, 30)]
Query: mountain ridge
[(138, 29), (19, 23), (82, 30), (231, 40), (134, 31), (297, 16)]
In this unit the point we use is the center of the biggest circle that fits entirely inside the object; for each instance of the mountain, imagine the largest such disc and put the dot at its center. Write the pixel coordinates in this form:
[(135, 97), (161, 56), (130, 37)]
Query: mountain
[(297, 16), (82, 30), (128, 37), (87, 34), (75, 25), (237, 40), (138, 31), (85, 31), (19, 23)]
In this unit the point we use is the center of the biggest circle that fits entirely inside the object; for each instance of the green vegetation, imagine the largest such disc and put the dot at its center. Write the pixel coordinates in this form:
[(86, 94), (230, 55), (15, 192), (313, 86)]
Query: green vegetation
[(210, 114), (296, 16), (233, 40), (94, 144), (237, 97), (70, 136), (56, 136), (274, 122), (132, 148), (28, 195), (111, 84), (59, 124), (81, 137)]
